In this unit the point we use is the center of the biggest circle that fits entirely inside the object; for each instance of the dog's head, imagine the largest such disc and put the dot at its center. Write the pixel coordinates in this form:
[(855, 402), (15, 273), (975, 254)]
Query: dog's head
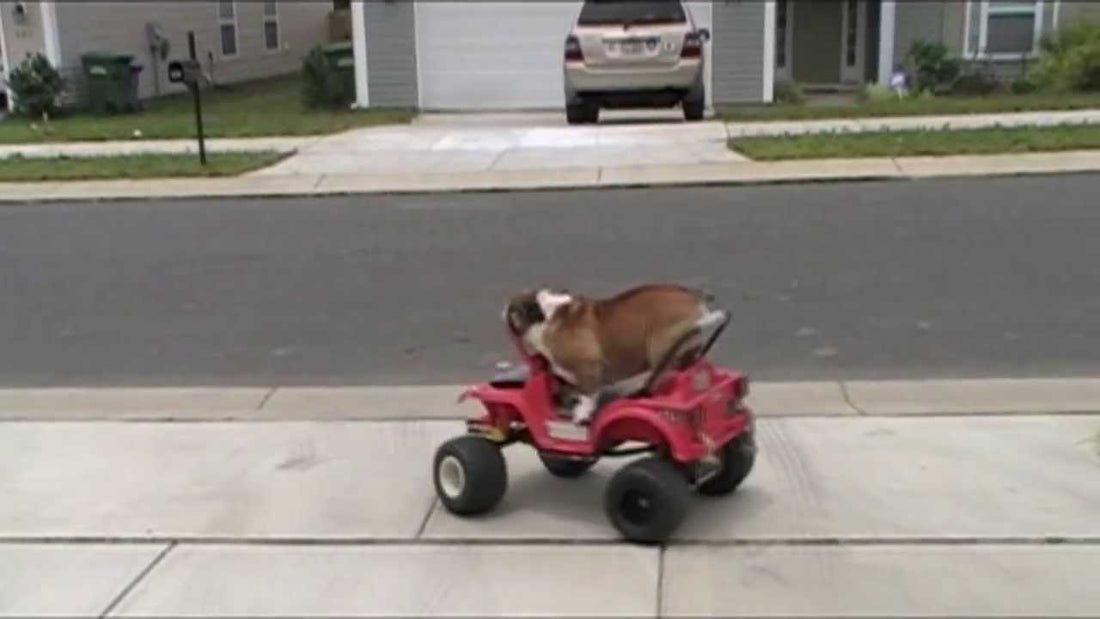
[(532, 307)]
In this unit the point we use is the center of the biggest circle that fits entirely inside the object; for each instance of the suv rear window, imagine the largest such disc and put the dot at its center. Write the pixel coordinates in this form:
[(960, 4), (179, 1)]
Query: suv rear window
[(601, 12)]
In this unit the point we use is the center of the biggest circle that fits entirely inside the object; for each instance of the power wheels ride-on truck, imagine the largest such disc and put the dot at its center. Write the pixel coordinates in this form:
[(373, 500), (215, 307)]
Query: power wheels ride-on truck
[(690, 418)]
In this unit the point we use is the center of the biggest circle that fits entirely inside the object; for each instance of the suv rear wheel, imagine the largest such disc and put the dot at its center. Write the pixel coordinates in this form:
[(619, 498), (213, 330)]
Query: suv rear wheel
[(580, 113), (695, 104)]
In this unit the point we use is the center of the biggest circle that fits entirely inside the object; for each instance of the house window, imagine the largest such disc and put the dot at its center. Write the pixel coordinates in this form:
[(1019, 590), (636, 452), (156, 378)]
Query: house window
[(1006, 28), (227, 25), (781, 18), (271, 25), (851, 34)]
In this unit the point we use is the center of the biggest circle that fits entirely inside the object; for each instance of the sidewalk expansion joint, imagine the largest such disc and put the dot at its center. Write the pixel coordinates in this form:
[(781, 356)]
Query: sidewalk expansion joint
[(137, 580), (266, 398), (853, 541), (427, 517), (847, 395), (660, 581)]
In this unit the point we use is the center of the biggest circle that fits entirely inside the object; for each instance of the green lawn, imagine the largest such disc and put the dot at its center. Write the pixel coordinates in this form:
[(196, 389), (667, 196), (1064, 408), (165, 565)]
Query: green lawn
[(262, 108), (133, 166), (916, 143), (914, 107)]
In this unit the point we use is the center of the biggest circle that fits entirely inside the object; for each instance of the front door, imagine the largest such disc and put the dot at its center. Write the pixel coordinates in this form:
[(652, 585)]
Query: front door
[(818, 27)]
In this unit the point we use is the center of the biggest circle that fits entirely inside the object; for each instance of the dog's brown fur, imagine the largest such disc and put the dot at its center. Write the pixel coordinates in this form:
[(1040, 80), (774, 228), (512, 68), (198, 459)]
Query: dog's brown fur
[(596, 343)]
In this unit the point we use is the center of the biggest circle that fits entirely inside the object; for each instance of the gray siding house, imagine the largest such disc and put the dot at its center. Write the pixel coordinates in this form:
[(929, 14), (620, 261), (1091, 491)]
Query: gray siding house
[(466, 55), (236, 39)]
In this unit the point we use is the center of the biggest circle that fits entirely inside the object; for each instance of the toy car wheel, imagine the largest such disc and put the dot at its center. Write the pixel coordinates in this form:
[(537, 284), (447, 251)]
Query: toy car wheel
[(567, 468), (470, 475), (647, 499), (737, 457)]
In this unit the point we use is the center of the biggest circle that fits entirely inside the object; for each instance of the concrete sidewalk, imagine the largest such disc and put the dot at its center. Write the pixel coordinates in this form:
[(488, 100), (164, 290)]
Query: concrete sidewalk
[(947, 122), (537, 151), (725, 174), (161, 147), (510, 139), (843, 515)]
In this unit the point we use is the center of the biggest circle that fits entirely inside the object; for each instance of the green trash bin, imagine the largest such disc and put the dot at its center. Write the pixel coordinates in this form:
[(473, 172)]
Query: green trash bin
[(112, 79), (341, 59)]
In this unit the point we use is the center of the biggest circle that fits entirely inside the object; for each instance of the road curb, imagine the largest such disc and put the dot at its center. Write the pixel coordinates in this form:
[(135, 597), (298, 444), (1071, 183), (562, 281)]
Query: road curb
[(892, 398)]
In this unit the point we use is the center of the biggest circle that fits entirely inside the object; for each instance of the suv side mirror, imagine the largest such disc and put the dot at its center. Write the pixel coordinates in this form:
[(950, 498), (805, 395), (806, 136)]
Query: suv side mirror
[(704, 34)]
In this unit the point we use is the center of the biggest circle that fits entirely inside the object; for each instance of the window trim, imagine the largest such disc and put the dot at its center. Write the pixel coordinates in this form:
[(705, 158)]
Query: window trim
[(1037, 9), (278, 27), (229, 21)]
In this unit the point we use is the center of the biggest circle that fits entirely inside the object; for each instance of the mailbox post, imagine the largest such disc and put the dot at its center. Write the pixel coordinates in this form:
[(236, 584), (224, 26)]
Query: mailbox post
[(189, 73)]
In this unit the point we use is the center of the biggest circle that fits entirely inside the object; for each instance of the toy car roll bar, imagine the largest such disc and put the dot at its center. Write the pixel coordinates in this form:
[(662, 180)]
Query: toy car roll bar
[(716, 320)]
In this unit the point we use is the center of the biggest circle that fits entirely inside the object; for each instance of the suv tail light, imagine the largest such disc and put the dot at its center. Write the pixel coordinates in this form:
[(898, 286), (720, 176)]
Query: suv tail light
[(693, 46), (573, 52)]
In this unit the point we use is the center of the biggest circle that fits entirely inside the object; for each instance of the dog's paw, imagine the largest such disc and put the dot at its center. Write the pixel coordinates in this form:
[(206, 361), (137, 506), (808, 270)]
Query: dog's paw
[(583, 409)]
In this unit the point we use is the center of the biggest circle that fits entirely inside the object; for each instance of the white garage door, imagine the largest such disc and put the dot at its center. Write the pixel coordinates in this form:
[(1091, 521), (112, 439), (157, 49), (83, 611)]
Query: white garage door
[(497, 55)]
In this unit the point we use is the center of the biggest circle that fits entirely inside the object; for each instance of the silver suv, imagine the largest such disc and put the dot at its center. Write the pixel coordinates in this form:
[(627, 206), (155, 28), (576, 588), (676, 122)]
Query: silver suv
[(623, 54)]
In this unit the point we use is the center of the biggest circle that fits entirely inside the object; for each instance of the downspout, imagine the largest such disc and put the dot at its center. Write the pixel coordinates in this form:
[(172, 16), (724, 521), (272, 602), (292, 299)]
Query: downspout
[(52, 39), (769, 51), (359, 49), (50, 34)]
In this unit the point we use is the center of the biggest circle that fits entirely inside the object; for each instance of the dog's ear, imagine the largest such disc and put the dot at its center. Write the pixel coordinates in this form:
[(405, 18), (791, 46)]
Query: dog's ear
[(523, 312), (532, 312)]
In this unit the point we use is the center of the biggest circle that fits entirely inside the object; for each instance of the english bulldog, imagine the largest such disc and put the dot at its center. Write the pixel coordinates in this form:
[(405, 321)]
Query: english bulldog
[(596, 344)]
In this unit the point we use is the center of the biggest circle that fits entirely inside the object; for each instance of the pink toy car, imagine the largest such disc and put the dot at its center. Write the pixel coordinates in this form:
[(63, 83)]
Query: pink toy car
[(691, 419)]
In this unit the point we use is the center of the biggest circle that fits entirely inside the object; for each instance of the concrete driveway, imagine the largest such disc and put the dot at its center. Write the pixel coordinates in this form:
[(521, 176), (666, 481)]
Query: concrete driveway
[(523, 141)]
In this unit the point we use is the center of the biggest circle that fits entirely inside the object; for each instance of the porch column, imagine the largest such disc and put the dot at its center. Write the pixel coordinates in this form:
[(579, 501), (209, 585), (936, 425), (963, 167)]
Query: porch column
[(886, 41), (7, 61), (359, 48)]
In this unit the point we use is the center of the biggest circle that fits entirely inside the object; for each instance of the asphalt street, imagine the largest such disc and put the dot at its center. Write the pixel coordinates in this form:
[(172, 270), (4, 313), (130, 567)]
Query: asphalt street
[(945, 278)]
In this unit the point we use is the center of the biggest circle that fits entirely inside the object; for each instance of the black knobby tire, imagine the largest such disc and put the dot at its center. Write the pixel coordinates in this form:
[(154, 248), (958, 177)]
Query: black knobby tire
[(737, 458), (470, 475), (647, 500), (567, 468)]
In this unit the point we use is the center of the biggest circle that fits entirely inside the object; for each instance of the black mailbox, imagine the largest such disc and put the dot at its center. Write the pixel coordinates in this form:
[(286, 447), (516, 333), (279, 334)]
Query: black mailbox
[(184, 71)]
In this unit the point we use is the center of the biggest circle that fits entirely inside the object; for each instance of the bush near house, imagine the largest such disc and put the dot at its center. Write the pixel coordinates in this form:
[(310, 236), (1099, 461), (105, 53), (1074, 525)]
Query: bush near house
[(934, 69), (37, 87), (1070, 60), (789, 93), (976, 80)]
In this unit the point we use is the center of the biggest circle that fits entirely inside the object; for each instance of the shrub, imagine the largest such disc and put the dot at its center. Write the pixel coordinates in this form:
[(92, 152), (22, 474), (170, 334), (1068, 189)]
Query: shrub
[(36, 86), (1023, 86), (322, 87), (976, 81), (876, 93), (789, 93), (1070, 60), (935, 70)]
